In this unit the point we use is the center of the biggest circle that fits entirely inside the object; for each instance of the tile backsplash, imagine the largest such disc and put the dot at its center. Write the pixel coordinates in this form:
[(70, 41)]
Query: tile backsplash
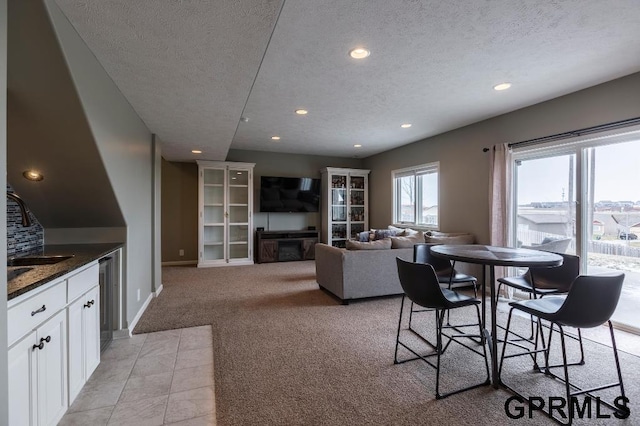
[(21, 239)]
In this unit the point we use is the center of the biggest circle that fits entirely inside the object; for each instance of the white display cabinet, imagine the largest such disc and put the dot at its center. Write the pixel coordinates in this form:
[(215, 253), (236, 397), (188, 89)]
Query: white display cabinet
[(225, 230), (345, 210)]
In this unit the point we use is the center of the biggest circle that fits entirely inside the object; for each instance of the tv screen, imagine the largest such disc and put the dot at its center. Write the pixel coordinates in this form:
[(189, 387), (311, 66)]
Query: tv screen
[(289, 194)]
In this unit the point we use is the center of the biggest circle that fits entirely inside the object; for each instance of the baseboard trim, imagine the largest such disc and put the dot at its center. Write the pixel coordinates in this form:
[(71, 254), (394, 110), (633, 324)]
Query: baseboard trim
[(134, 321), (180, 263), (158, 291)]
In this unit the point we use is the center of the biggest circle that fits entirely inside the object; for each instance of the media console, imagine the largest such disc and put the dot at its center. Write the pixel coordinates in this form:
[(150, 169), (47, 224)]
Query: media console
[(284, 246)]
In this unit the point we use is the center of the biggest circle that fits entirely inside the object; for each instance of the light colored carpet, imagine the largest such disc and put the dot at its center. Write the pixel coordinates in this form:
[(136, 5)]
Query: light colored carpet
[(287, 353)]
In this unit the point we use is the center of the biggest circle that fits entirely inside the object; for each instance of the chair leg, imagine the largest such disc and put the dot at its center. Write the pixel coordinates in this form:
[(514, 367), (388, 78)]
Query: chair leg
[(617, 360), (441, 350), (395, 356)]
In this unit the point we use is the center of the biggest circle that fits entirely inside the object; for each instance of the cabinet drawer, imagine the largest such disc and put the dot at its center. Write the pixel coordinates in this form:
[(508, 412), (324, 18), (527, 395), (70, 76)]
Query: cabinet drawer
[(83, 281), (27, 315)]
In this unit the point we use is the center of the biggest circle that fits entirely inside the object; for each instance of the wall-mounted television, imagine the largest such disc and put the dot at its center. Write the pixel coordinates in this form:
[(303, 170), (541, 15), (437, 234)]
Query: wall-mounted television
[(289, 194)]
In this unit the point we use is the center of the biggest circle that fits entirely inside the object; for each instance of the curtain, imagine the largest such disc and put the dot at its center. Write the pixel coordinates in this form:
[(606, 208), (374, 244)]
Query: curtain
[(500, 195)]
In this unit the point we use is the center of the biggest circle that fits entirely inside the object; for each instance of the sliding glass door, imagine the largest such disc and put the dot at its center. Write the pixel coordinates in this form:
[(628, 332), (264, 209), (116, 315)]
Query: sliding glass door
[(613, 221), (583, 197)]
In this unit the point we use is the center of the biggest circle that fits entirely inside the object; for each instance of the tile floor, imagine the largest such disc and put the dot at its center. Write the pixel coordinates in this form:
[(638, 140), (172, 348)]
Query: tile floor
[(163, 378)]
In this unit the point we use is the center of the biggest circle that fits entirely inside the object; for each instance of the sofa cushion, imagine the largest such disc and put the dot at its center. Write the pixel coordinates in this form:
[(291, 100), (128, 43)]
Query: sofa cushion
[(450, 239), (383, 244), (408, 241)]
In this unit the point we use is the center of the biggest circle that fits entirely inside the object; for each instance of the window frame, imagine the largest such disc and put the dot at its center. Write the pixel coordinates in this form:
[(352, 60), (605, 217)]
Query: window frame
[(415, 171)]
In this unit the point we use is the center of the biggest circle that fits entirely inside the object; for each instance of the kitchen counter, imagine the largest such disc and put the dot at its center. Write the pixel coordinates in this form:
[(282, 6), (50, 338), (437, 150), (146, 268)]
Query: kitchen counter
[(22, 279)]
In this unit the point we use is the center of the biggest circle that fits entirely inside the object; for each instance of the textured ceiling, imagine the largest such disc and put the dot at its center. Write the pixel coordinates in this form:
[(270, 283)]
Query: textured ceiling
[(192, 69)]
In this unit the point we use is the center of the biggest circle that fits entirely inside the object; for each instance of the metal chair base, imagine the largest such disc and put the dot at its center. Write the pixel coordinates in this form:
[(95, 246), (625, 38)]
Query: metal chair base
[(439, 349), (571, 390)]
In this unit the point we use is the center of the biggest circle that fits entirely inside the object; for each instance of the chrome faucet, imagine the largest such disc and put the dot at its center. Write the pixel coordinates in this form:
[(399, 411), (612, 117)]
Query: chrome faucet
[(26, 220)]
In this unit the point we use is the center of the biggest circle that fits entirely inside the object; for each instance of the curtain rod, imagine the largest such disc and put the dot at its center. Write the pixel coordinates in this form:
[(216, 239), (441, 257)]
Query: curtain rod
[(574, 133)]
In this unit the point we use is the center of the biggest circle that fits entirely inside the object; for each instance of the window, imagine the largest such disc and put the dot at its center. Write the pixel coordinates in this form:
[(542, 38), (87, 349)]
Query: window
[(415, 195)]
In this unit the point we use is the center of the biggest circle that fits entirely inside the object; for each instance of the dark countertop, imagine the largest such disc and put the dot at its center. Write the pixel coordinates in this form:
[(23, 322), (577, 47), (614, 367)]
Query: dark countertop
[(21, 279)]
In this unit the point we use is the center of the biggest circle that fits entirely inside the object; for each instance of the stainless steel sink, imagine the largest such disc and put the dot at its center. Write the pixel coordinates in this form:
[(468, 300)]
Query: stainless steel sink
[(13, 272), (37, 260)]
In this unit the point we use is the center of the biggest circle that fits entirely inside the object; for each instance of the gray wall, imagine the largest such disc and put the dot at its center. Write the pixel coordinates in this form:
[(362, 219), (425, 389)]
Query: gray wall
[(125, 146), (179, 211), (464, 168), (4, 391), (180, 197), (48, 130), (289, 165)]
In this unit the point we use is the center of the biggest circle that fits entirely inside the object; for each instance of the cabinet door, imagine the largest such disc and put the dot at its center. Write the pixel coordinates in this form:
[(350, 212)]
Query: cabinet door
[(213, 214), (22, 382), (309, 248), (84, 340), (268, 251), (91, 322), (52, 369), (75, 336), (238, 214)]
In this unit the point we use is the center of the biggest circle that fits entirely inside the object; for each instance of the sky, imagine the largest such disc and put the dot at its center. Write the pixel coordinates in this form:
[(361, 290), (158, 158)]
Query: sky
[(617, 175)]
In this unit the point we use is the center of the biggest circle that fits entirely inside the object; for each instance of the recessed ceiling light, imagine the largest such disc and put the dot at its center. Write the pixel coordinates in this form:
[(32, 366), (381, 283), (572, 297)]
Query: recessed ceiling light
[(275, 138), (359, 53), (405, 125), (32, 175), (357, 145), (196, 151), (302, 112), (502, 86)]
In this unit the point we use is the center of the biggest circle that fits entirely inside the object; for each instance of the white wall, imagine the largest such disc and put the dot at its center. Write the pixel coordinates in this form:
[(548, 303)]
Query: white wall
[(4, 391), (125, 146), (464, 167)]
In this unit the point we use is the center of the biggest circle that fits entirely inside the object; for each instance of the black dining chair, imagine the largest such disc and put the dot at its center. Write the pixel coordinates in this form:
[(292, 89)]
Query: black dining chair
[(420, 284), (590, 302), (540, 282), (447, 275)]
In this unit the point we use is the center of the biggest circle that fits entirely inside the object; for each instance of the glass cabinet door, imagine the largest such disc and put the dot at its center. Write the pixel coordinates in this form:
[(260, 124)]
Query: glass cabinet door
[(238, 214), (213, 214), (356, 206), (339, 209)]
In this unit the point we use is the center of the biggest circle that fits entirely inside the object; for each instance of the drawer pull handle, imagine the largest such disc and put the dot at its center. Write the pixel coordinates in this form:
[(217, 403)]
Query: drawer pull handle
[(90, 303), (42, 342), (37, 311)]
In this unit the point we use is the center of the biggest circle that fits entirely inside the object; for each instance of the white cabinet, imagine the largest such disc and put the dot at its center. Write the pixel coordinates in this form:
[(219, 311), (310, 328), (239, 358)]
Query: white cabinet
[(225, 223), (345, 211), (54, 346), (38, 375), (84, 340)]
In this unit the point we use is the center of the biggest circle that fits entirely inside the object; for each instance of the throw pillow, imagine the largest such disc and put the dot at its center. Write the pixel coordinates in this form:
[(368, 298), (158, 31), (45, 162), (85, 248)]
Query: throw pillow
[(383, 244), (402, 232), (407, 242), (379, 234), (363, 237)]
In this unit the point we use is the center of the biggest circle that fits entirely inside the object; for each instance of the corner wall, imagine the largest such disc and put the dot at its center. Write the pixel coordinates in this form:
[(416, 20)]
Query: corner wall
[(464, 167), (125, 146)]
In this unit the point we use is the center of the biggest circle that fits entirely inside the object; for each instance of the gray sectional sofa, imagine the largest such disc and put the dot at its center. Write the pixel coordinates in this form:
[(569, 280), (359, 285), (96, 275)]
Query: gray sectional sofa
[(358, 274)]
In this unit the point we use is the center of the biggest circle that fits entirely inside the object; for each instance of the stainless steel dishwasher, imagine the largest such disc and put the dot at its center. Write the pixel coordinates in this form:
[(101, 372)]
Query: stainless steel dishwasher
[(107, 281)]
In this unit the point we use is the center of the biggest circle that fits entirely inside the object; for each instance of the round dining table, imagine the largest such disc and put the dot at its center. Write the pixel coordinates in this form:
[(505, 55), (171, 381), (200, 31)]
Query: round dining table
[(492, 256)]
